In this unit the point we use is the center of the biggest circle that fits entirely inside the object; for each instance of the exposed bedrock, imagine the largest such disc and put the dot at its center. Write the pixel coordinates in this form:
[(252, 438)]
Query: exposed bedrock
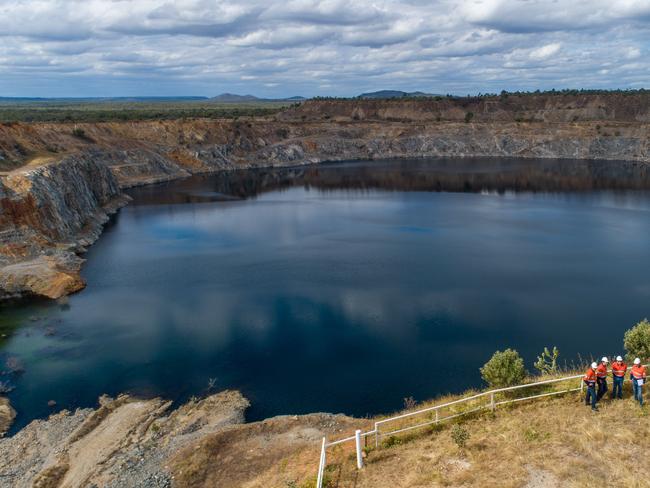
[(128, 442), (54, 206), (48, 216), (7, 415)]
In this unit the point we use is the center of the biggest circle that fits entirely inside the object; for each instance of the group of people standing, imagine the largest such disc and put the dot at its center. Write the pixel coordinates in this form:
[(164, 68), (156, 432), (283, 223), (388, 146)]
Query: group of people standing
[(596, 376)]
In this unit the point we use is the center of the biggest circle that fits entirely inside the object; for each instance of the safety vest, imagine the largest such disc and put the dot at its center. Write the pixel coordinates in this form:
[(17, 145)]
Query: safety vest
[(601, 371), (637, 372), (590, 377), (619, 369)]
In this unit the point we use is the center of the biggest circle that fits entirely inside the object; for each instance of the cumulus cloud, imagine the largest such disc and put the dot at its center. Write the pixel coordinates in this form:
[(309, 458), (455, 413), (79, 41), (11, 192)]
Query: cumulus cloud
[(318, 47), (545, 52)]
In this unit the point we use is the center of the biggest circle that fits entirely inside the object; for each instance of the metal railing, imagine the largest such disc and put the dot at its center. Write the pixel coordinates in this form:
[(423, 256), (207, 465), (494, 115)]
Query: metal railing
[(425, 417)]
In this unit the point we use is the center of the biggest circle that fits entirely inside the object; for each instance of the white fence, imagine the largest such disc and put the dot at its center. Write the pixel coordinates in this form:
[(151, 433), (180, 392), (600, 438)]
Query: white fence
[(418, 419)]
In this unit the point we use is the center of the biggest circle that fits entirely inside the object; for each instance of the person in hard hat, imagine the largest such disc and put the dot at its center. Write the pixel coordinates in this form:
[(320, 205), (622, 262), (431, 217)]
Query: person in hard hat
[(619, 368), (637, 375), (601, 378), (590, 381)]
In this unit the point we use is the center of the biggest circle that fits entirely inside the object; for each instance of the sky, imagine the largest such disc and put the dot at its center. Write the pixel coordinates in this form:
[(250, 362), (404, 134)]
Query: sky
[(282, 48)]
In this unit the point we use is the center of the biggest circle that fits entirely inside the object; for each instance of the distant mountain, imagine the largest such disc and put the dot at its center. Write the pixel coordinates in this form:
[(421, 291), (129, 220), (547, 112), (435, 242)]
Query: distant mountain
[(231, 97), (394, 94), (234, 98)]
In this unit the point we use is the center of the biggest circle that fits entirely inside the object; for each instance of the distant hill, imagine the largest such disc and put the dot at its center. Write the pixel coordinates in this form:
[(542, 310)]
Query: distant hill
[(395, 94), (231, 97), (234, 98)]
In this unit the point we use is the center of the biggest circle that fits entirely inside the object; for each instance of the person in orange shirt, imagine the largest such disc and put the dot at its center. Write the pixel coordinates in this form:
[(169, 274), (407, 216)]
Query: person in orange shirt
[(601, 378), (637, 375), (619, 368), (590, 381)]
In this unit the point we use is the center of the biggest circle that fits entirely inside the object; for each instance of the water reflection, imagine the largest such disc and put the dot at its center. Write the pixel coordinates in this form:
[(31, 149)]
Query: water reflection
[(454, 175), (343, 287)]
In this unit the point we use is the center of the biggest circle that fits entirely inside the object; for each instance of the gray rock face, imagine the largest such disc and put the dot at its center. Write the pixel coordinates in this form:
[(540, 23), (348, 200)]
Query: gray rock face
[(47, 215)]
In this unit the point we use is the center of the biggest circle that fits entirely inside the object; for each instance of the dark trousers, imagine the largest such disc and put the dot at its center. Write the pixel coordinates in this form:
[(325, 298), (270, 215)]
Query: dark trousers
[(602, 388), (638, 392), (617, 391), (591, 395)]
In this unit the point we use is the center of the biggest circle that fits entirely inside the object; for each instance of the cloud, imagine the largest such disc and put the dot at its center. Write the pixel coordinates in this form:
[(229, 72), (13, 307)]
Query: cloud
[(312, 47), (522, 16), (545, 52)]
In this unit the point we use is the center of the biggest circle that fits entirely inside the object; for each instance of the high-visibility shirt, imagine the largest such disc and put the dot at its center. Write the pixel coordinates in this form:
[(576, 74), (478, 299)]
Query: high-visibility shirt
[(601, 371), (590, 377), (619, 368), (637, 372)]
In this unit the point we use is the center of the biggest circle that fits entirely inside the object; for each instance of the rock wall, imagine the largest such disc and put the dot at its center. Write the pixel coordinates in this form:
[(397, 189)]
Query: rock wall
[(48, 215)]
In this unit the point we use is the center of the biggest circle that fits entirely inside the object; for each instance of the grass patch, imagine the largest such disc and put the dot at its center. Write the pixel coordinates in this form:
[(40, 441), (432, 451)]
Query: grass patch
[(62, 111)]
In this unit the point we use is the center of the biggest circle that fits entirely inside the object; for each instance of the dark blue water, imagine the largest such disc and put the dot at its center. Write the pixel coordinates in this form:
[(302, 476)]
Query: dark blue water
[(342, 287)]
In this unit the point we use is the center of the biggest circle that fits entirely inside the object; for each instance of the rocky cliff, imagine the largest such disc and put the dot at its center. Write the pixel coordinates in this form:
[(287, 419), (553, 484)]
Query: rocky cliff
[(63, 180), (48, 216)]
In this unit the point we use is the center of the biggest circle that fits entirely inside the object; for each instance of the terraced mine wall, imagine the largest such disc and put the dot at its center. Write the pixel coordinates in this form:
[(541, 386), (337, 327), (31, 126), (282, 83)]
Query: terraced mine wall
[(59, 182)]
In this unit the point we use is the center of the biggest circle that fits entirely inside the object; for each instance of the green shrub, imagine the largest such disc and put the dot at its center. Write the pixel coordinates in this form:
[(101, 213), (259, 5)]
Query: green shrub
[(637, 341), (460, 435), (311, 482), (504, 369), (468, 117), (392, 441), (547, 362)]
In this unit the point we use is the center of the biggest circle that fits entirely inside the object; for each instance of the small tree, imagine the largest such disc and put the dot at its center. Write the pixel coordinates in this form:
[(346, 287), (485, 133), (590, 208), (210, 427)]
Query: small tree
[(547, 362), (504, 369), (637, 341), (460, 435)]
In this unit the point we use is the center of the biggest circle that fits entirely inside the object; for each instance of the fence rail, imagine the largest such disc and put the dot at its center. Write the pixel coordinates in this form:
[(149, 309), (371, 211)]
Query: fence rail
[(418, 419)]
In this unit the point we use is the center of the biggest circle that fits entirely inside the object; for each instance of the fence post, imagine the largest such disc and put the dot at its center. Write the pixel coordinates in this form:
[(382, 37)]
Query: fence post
[(357, 440), (321, 466), (376, 435), (492, 405)]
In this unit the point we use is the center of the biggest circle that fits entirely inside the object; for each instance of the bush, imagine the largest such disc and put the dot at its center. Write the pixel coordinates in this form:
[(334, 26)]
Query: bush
[(460, 435), (547, 362), (410, 403), (468, 117), (80, 133), (392, 441), (504, 369), (637, 341)]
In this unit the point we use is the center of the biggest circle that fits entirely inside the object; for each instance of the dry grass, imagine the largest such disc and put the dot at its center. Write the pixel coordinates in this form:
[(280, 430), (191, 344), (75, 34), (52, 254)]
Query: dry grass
[(542, 443), (560, 437)]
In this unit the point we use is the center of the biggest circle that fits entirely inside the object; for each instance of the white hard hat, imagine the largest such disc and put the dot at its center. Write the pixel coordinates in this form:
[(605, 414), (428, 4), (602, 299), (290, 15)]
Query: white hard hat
[(637, 361), (594, 365), (619, 358), (604, 360)]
